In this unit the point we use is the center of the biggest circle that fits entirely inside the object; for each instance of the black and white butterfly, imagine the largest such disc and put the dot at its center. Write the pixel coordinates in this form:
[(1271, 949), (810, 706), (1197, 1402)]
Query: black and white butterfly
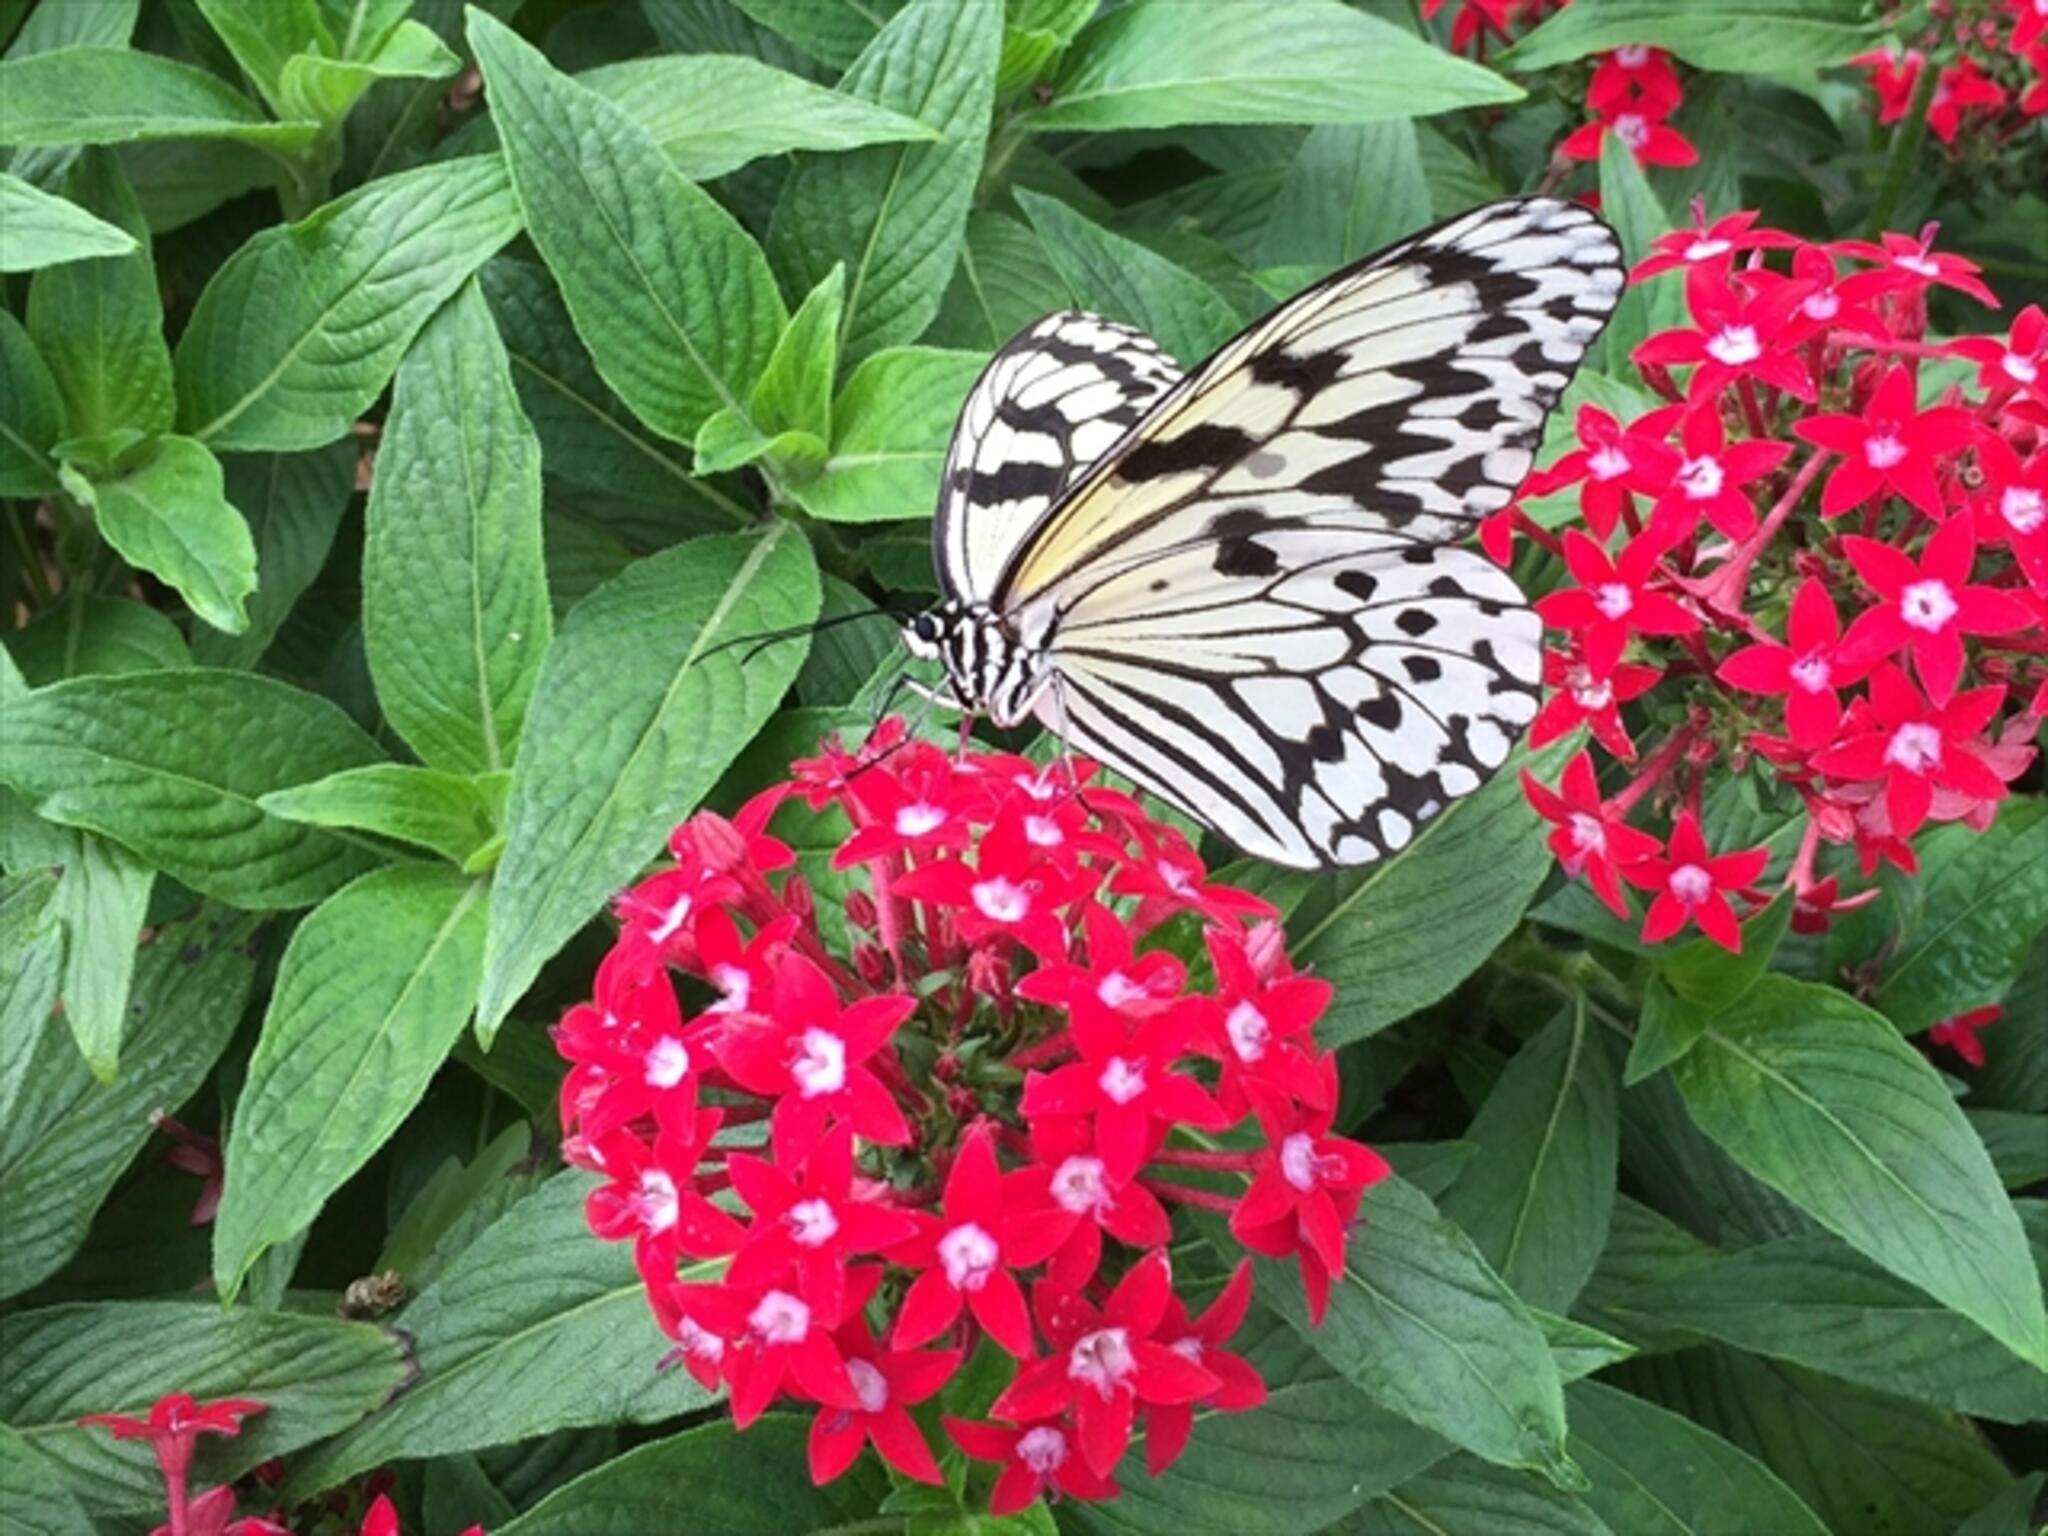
[(1241, 586)]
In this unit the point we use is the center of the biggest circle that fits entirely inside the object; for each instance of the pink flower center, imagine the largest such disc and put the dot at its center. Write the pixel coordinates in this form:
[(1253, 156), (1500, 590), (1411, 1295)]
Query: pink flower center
[(1632, 55), (1927, 605), (1607, 463), (1591, 696), (1175, 878), (1614, 599), (1812, 673), (1633, 129), (1915, 747), (736, 985), (1918, 265), (1043, 1450), (811, 1223), (1116, 990), (820, 1064), (1299, 1164), (1588, 835), (968, 1254), (1121, 1081), (1701, 479), (1043, 832), (780, 1318), (2022, 508), (1691, 884), (870, 1386), (656, 1202), (1248, 1031), (699, 1342), (1189, 1349), (672, 919), (1102, 1360), (1824, 305), (1037, 786), (667, 1062), (1734, 345), (1881, 450), (1079, 1186), (2019, 368), (1706, 250), (1001, 900), (918, 819)]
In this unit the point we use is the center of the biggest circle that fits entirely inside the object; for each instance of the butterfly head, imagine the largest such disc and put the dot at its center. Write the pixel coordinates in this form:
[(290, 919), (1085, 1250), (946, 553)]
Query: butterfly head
[(989, 669)]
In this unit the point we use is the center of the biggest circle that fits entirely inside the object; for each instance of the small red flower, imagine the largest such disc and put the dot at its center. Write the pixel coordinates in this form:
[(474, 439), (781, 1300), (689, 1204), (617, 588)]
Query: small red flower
[(1738, 332), (1692, 886), (1579, 696), (1589, 838), (1167, 1425), (1907, 264), (1649, 138), (1807, 670), (1916, 747), (1073, 1201), (1960, 89), (1638, 77), (1927, 606), (1614, 463), (1011, 889), (1709, 479), (1959, 1033), (1613, 600), (1892, 445), (887, 1384), (652, 1196), (1260, 1029), (777, 1340), (1705, 243), (1170, 878), (1892, 76), (967, 1255), (1037, 1459), (2012, 507), (2017, 365)]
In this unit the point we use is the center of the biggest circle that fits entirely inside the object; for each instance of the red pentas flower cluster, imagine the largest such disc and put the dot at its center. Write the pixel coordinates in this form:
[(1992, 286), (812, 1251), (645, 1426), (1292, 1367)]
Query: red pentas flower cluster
[(1821, 556), (852, 1140), (1632, 94), (1992, 70)]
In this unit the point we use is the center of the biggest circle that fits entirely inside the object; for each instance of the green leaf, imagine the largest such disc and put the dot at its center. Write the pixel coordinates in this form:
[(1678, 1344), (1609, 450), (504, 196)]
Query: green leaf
[(171, 764), (293, 504), (1645, 1250), (535, 1327), (1656, 1473), (1631, 205), (713, 113), (1697, 981), (1463, 1493), (1860, 1460), (455, 597), (99, 324), (124, 96), (79, 24), (316, 1374), (2017, 1143), (1981, 902), (794, 392), (374, 988), (671, 295), (459, 1202), (65, 1138), (325, 89), (633, 719), (31, 415), (262, 34), (1004, 282), (101, 900), (1421, 1325), (1820, 1098), (1538, 1195), (1125, 281), (891, 427), (1771, 37), (844, 658), (831, 31), (1815, 1303), (441, 812), (169, 515), (38, 230), (297, 334), (896, 214), (87, 633), (740, 1485), (2008, 1514), (1353, 188), (1143, 66), (1400, 935), (34, 1500)]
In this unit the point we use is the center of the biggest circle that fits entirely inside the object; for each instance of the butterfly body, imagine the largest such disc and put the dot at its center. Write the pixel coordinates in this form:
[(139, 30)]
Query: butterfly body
[(1241, 586)]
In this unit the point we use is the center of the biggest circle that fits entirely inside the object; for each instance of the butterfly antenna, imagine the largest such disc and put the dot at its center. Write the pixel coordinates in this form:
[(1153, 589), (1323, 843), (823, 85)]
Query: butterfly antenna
[(762, 640)]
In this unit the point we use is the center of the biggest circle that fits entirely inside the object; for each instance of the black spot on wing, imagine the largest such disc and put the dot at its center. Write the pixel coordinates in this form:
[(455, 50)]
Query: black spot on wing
[(1358, 584), (1415, 622), (1204, 447), (1304, 375), (1384, 712)]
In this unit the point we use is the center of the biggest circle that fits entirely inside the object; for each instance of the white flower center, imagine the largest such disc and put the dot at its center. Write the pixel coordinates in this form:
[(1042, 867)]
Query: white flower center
[(1116, 990), (918, 819), (820, 1065), (1175, 878), (1735, 345), (1881, 450), (1691, 884), (1189, 1349), (1824, 305), (1102, 1359), (1920, 266), (1078, 1185), (2022, 508), (1927, 605), (1633, 129), (1121, 1080), (1707, 250), (969, 1256), (1915, 747), (1043, 832), (1000, 900), (1812, 673), (1298, 1161), (699, 1342), (672, 919), (1613, 599), (1588, 836), (870, 1387), (736, 985), (1592, 696), (667, 1062), (811, 1223), (1248, 1031), (780, 1318), (1701, 479), (656, 1202), (1632, 55), (1043, 1450), (1608, 463), (1038, 787), (2022, 369)]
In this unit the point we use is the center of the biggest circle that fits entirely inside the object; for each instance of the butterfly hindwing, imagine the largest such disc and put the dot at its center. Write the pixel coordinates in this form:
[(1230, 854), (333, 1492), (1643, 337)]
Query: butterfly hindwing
[(1044, 410)]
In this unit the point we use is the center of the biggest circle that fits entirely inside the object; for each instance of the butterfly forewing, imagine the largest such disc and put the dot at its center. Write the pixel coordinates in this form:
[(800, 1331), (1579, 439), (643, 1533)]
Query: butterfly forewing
[(1254, 602), (1047, 407)]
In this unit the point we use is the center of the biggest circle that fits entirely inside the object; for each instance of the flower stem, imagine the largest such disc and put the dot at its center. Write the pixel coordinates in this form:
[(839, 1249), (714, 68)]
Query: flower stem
[(1182, 1194), (1906, 141)]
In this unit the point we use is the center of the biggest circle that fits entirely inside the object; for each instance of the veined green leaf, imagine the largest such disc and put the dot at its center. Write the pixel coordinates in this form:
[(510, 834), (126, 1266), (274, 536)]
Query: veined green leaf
[(293, 504), (34, 1500), (890, 430), (81, 24), (442, 812), (1631, 205), (831, 31), (169, 515), (123, 96), (102, 898), (1763, 36), (31, 415), (1353, 188), (88, 633), (38, 230), (325, 90)]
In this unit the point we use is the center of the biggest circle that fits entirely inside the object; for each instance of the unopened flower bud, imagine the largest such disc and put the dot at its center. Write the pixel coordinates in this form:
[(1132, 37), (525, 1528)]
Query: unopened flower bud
[(871, 965), (718, 842), (860, 910), (796, 896), (947, 1068), (1265, 945), (988, 973)]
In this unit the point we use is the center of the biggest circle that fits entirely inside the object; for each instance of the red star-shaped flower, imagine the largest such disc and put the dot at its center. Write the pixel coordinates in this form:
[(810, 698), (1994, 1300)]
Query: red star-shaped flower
[(2016, 365), (1261, 1029), (1915, 747), (1613, 599), (1709, 480), (887, 1384), (2012, 507), (1927, 606), (1806, 670), (1580, 696), (1038, 1459), (1011, 889), (1909, 264), (1588, 839), (1692, 886), (1892, 445), (1707, 244), (1167, 1425), (1739, 331), (1614, 463)]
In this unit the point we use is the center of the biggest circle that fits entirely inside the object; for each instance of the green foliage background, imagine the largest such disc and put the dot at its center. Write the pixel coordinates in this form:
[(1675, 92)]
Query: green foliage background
[(659, 345)]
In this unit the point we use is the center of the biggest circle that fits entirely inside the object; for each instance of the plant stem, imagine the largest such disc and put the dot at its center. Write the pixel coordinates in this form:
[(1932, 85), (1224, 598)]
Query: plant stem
[(1906, 141), (31, 561)]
